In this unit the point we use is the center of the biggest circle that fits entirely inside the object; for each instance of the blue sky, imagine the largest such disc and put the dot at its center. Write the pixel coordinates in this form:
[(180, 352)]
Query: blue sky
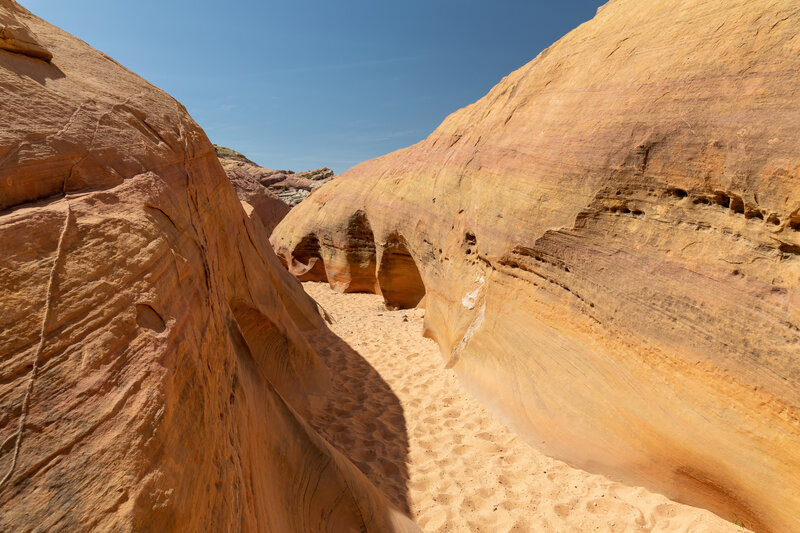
[(302, 84)]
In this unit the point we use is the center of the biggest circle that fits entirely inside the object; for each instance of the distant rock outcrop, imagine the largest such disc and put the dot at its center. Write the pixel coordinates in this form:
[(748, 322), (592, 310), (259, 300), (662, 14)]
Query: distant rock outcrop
[(266, 205), (154, 370), (291, 187), (609, 248)]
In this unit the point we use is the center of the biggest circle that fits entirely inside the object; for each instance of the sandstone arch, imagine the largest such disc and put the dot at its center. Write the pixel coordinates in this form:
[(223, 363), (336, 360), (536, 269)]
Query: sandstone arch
[(398, 276), (307, 263)]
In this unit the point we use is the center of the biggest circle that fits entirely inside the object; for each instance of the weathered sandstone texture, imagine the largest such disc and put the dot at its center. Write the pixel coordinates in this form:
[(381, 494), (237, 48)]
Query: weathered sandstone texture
[(154, 371), (16, 37), (609, 247), (291, 187)]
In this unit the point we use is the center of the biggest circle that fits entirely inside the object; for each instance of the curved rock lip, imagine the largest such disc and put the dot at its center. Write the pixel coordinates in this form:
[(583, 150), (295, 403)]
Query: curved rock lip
[(607, 244)]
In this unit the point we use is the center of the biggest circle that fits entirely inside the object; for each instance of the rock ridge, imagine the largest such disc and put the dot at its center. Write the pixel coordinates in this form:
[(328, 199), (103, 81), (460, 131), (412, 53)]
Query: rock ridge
[(291, 187)]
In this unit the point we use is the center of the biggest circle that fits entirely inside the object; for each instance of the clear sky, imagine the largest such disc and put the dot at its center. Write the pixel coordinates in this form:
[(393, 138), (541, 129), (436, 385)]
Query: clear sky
[(301, 84)]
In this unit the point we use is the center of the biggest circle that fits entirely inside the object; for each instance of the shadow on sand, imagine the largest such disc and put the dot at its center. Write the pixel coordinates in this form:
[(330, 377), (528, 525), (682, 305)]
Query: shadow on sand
[(363, 418)]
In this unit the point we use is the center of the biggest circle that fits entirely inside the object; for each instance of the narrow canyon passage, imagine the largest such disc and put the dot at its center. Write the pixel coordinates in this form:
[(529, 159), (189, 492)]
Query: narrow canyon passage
[(412, 429)]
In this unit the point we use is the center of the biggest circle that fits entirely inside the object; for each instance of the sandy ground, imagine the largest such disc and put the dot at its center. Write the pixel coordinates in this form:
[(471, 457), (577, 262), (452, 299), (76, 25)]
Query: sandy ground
[(414, 431)]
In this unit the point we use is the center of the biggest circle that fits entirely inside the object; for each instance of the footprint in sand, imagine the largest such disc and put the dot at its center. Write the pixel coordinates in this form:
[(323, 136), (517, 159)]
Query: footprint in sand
[(435, 452)]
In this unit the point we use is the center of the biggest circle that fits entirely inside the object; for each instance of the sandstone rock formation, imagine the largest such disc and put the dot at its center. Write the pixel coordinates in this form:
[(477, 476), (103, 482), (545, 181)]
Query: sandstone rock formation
[(609, 248), (267, 207), (16, 37), (287, 185), (153, 364)]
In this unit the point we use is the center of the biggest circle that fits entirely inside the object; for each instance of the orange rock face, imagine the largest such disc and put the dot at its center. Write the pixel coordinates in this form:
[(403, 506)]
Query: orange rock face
[(154, 369), (609, 247), (16, 37)]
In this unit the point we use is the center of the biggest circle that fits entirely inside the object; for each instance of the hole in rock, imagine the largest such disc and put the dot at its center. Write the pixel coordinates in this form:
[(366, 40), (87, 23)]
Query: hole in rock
[(737, 205), (794, 221), (360, 254), (774, 220), (398, 276), (307, 260), (149, 318), (754, 214), (701, 200), (678, 193), (470, 239), (722, 199)]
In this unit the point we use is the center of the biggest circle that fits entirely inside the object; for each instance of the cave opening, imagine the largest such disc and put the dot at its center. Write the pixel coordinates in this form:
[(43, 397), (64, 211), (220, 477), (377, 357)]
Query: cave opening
[(398, 276), (307, 262)]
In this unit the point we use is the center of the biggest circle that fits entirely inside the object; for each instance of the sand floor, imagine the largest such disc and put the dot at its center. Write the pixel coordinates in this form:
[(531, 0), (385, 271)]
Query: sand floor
[(412, 429)]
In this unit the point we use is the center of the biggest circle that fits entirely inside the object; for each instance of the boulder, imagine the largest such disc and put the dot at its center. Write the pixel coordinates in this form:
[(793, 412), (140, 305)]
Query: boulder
[(154, 369)]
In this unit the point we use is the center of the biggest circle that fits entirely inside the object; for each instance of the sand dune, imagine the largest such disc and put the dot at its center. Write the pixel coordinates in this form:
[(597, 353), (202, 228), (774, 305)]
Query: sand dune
[(409, 425)]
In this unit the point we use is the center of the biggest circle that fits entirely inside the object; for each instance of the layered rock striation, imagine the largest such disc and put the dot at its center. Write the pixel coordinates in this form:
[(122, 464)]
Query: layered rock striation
[(154, 370), (608, 245), (257, 198), (291, 187)]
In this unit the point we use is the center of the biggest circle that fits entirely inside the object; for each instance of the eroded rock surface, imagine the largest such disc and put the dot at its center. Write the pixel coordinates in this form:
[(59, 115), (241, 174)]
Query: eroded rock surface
[(609, 247), (291, 187), (154, 371), (16, 37)]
